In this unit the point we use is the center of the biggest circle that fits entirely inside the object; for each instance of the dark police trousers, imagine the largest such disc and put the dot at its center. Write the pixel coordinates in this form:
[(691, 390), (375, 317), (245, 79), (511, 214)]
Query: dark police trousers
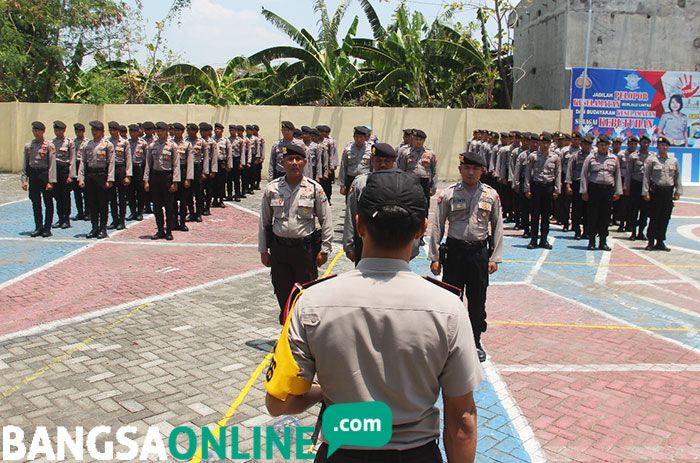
[(348, 183), (428, 453), (97, 197), (182, 197), (195, 204), (80, 195), (638, 208), (467, 266), (38, 179), (427, 184), (62, 192), (117, 200), (599, 209), (162, 198), (137, 196), (220, 184), (233, 179), (209, 189), (293, 260), (540, 210), (579, 215), (523, 210), (660, 205)]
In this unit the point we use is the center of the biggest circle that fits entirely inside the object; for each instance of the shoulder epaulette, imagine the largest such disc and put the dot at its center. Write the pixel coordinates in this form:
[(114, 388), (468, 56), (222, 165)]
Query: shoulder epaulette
[(299, 288), (451, 288)]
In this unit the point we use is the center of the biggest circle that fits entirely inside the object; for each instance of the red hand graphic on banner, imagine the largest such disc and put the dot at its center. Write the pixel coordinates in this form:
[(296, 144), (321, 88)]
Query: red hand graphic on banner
[(685, 85)]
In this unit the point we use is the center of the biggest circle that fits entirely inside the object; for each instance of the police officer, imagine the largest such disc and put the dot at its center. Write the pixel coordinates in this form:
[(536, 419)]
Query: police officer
[(328, 150), (639, 209), (225, 164), (258, 157), (251, 145), (471, 207), (405, 142), (183, 196), (212, 153), (149, 136), (542, 187), (201, 164), (620, 206), (65, 172), (122, 176), (138, 147), (161, 177), (383, 158), (579, 214), (83, 212), (632, 144), (422, 162), (355, 159), (288, 240), (601, 184), (374, 320), (39, 177), (529, 145), (96, 175), (661, 186), (276, 167), (233, 177)]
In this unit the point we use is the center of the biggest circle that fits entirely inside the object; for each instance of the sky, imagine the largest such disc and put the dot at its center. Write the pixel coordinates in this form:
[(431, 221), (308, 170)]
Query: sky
[(214, 31)]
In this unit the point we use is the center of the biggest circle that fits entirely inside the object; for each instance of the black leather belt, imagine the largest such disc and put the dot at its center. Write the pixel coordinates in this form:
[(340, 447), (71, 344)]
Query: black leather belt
[(466, 245), (291, 242)]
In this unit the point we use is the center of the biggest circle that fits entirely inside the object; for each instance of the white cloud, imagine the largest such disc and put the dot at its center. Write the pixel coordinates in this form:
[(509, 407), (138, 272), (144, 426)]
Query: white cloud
[(211, 33)]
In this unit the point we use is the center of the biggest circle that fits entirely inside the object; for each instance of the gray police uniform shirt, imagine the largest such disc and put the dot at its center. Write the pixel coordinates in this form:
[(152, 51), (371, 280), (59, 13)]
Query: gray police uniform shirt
[(97, 154), (39, 155), (635, 168), (382, 333), (312, 159), (575, 166), (162, 157), (354, 161), (122, 154), (674, 127), (200, 153), (602, 169), (470, 211), (520, 164), (292, 211), (224, 152), (212, 153), (660, 171), (277, 156), (65, 154), (512, 165), (332, 145), (543, 168), (138, 151), (185, 152)]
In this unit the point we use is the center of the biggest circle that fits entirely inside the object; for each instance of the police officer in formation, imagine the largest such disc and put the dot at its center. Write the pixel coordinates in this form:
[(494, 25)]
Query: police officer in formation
[(579, 216), (276, 167), (183, 196), (137, 195), (96, 175), (420, 161), (200, 173), (82, 212), (65, 163), (542, 187), (39, 177), (639, 209), (355, 159), (161, 178), (288, 240), (122, 176)]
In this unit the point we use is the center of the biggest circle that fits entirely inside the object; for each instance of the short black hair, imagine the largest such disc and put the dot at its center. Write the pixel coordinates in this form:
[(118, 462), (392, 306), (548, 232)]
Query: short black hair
[(676, 97), (393, 227)]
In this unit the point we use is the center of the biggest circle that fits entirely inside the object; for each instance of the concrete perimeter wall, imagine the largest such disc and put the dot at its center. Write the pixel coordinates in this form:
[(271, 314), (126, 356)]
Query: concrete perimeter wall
[(447, 129)]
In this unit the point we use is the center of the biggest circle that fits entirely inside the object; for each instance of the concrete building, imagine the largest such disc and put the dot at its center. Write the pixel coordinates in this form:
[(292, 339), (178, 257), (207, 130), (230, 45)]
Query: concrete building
[(550, 35)]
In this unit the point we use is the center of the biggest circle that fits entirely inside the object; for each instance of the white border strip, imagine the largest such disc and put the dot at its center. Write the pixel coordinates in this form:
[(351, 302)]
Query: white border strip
[(522, 427), (140, 242), (602, 274), (597, 368), (538, 265), (668, 269), (14, 202)]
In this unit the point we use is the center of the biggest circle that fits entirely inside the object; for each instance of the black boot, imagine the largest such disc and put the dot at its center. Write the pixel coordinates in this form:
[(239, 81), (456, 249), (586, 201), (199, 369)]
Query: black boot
[(591, 244), (604, 245)]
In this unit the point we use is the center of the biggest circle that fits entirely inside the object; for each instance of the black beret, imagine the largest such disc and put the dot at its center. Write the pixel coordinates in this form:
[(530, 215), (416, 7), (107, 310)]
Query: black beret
[(633, 138), (297, 132), (287, 125), (505, 134), (178, 126), (122, 128), (78, 126), (514, 133), (203, 126), (418, 133), (587, 139), (576, 135), (472, 157), (255, 127), (603, 139), (160, 125), (148, 125), (38, 125), (383, 150), (617, 140), (97, 125), (59, 125), (663, 139), (248, 127), (232, 126), (645, 137), (323, 128), (192, 126), (396, 189), (294, 149), (408, 131), (133, 126), (360, 130), (545, 136), (113, 125), (218, 125), (315, 131), (305, 129), (240, 127)]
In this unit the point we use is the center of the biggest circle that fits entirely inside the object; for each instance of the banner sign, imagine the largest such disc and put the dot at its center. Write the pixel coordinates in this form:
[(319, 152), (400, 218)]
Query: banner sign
[(626, 102)]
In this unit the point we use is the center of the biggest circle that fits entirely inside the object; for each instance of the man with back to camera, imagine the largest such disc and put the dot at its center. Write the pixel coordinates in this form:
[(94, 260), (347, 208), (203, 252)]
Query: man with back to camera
[(335, 326)]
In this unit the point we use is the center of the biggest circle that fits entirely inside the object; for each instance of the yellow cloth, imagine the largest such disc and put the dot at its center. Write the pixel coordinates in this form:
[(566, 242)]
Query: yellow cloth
[(282, 376)]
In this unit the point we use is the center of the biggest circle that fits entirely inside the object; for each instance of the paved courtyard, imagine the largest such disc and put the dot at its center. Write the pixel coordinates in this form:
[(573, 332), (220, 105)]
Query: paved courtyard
[(593, 356)]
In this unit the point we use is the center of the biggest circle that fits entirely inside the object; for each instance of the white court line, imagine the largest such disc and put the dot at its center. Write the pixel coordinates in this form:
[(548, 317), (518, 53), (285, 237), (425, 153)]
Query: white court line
[(538, 264), (522, 427), (668, 269), (243, 208), (140, 242), (616, 319), (14, 202), (602, 273), (595, 368), (686, 231), (632, 281), (127, 305)]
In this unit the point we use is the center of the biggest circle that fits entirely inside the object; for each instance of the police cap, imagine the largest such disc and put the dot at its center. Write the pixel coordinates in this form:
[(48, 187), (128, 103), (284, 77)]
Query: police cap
[(78, 126), (360, 130), (587, 139), (617, 140), (178, 126), (203, 126), (122, 128), (287, 125), (408, 131), (297, 132), (232, 126), (38, 125), (633, 138), (393, 195), (148, 125), (59, 125), (663, 140), (113, 125), (98, 125), (545, 136), (294, 149), (505, 134), (645, 137), (383, 150), (305, 129), (249, 127), (218, 125), (603, 139), (239, 127), (473, 158), (160, 125), (323, 128), (315, 131), (418, 133), (576, 135), (192, 126), (133, 127)]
